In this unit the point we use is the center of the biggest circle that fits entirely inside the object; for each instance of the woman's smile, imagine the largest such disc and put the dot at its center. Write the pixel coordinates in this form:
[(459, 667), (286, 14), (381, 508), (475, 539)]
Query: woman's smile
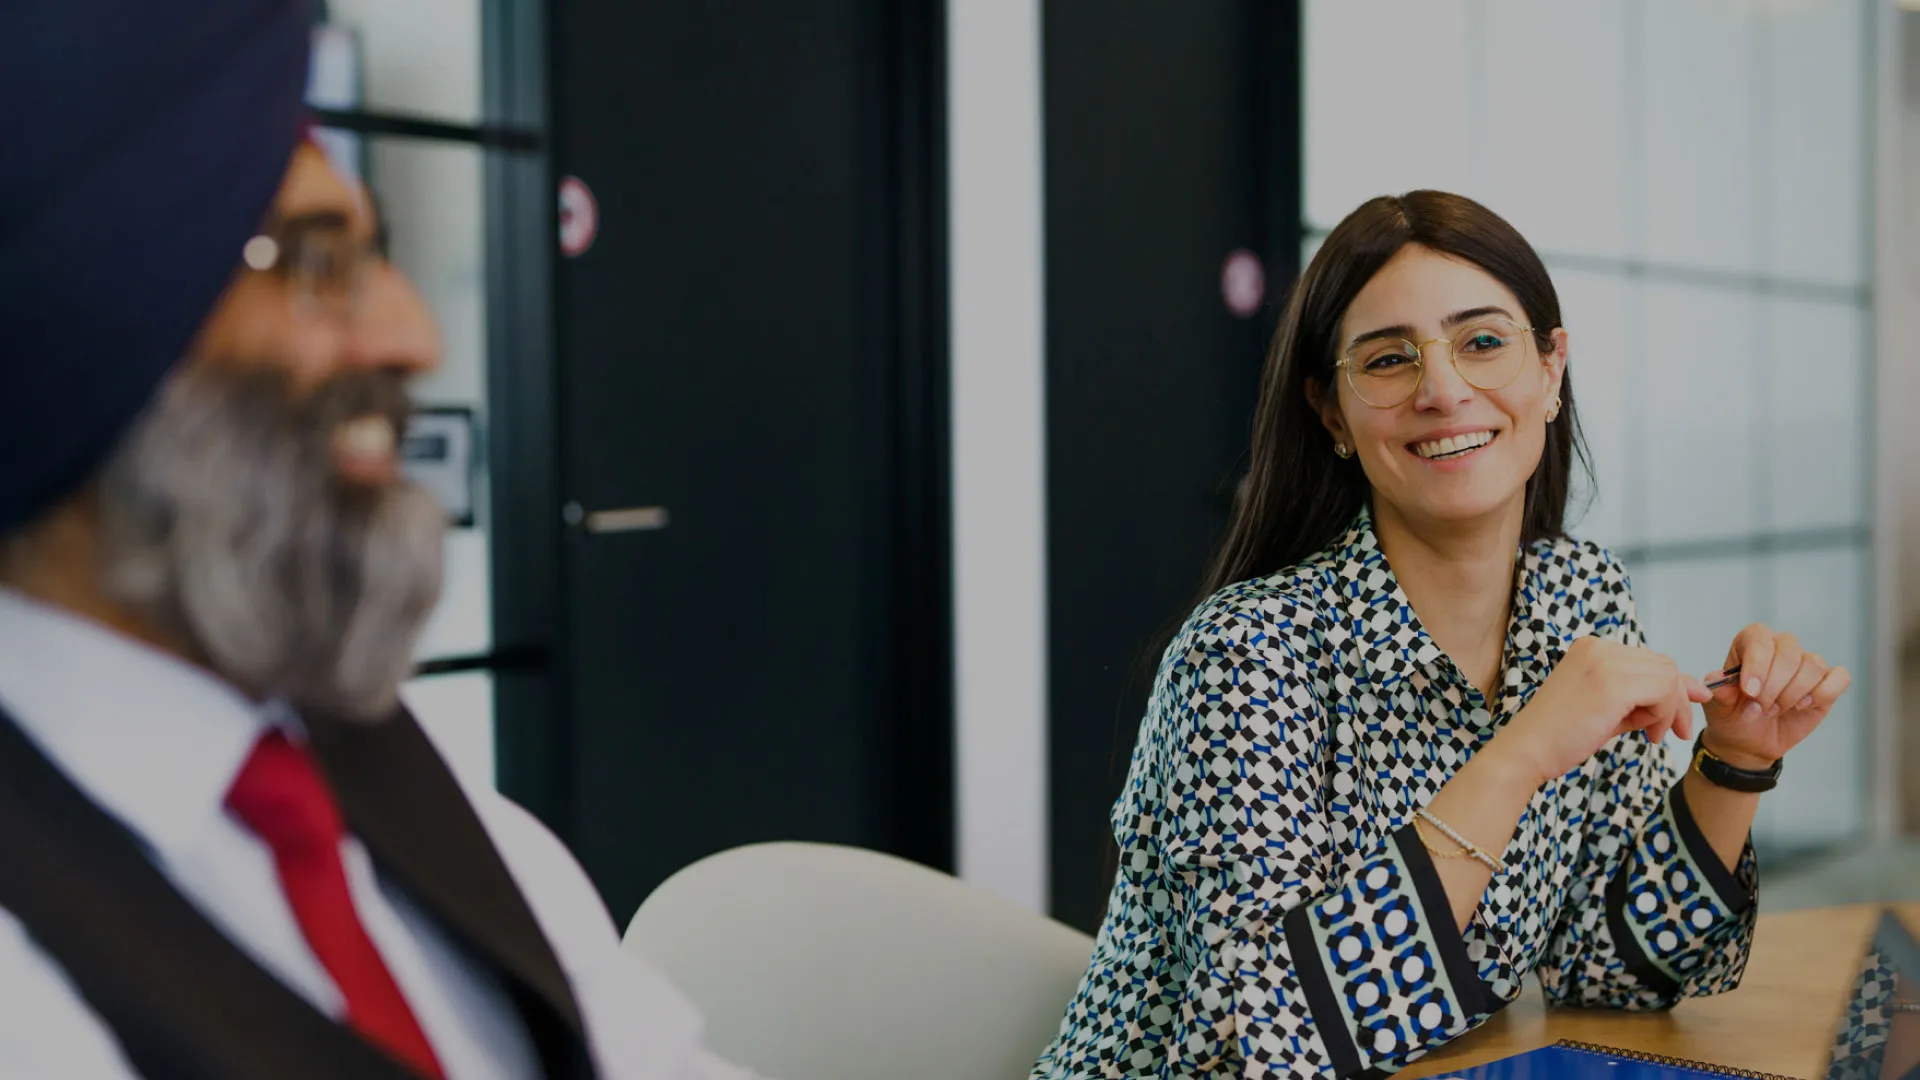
[(1452, 448)]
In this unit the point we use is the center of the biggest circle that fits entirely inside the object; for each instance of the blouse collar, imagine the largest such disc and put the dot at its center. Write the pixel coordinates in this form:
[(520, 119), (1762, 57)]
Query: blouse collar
[(1374, 612)]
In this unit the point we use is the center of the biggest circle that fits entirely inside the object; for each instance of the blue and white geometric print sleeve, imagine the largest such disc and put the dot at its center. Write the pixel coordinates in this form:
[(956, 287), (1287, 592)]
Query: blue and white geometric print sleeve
[(1282, 964), (1654, 915)]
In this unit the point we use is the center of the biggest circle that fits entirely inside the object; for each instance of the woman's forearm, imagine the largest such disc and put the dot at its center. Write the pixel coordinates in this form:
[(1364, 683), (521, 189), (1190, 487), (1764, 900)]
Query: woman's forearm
[(1483, 802), (1485, 799), (1725, 816)]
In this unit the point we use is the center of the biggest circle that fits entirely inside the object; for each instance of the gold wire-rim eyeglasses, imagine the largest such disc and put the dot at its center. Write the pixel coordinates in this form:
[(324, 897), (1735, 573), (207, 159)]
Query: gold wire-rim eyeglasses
[(1418, 351)]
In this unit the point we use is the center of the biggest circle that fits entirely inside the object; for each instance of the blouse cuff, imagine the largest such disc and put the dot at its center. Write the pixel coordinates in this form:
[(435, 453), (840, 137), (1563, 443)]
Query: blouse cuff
[(1383, 967), (1670, 896), (1734, 896)]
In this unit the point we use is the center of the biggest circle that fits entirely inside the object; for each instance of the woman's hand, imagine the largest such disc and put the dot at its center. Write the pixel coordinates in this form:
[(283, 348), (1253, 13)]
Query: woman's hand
[(1783, 694), (1599, 690)]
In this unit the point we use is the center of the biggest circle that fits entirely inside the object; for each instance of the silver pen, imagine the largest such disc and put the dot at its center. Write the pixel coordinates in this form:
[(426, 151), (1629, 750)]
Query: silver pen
[(1727, 678)]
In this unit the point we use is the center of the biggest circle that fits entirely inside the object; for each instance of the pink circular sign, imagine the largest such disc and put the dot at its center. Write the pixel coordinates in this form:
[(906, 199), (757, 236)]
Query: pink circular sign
[(1243, 282), (579, 217)]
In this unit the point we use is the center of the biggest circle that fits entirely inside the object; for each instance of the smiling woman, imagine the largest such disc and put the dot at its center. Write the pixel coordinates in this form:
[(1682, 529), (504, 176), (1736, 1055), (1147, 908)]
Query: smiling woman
[(1298, 497), (1405, 753)]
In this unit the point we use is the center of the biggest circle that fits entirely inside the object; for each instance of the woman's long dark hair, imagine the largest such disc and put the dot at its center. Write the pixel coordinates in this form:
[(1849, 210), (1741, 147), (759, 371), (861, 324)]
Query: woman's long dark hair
[(1297, 495)]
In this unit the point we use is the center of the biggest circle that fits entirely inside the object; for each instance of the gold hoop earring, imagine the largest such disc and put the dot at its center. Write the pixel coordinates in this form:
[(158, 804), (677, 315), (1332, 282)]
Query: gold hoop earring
[(1553, 411), (1342, 450)]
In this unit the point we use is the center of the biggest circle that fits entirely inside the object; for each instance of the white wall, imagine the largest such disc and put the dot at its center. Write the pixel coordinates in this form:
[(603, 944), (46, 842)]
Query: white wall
[(999, 446), (1698, 176)]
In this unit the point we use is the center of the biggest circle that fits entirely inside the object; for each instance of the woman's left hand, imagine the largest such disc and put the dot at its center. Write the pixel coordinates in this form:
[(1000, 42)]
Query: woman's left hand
[(1783, 693)]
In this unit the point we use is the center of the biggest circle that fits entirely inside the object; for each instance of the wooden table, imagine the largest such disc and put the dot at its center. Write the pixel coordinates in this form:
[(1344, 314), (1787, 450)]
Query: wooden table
[(1781, 1020)]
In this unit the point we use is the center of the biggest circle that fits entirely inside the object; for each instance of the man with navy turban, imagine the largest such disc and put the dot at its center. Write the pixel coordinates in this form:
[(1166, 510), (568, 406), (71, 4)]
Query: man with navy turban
[(225, 850)]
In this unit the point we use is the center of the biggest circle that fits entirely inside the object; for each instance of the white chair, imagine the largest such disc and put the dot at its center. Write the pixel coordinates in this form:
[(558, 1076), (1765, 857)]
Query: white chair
[(818, 962)]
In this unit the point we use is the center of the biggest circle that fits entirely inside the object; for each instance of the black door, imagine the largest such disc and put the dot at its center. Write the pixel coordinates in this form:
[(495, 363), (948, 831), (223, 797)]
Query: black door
[(1172, 142), (749, 366)]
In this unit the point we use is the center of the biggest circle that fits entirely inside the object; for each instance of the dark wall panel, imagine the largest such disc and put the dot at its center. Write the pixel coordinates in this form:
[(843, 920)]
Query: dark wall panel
[(1171, 142), (746, 345)]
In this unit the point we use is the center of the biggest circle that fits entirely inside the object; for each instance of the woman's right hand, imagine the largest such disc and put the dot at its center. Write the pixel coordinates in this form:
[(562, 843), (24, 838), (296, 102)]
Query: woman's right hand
[(1599, 690)]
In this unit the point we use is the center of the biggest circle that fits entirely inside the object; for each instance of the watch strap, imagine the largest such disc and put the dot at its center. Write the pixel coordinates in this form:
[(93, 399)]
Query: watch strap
[(1727, 776)]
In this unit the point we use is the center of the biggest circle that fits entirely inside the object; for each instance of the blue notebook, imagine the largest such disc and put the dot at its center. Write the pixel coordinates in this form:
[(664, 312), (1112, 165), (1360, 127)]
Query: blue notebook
[(1580, 1061)]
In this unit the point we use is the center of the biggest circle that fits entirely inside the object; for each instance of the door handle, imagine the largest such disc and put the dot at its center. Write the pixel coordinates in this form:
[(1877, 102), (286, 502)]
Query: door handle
[(622, 520)]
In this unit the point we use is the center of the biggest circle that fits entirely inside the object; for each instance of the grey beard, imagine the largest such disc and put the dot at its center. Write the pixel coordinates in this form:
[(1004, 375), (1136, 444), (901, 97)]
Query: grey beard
[(224, 521)]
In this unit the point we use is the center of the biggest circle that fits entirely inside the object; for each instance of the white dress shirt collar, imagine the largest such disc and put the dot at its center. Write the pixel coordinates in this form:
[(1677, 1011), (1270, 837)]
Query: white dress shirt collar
[(149, 737)]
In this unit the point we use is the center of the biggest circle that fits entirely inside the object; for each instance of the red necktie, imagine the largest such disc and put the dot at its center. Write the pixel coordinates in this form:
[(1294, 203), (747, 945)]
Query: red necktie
[(282, 797)]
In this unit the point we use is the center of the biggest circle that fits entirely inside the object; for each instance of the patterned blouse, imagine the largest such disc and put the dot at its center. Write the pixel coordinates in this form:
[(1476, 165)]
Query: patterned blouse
[(1276, 914)]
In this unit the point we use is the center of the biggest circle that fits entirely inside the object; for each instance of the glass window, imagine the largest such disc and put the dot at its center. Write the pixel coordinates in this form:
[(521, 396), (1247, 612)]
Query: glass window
[(1695, 401), (1814, 447), (418, 57), (1383, 114), (1557, 140), (1815, 164), (431, 195), (1593, 308), (1695, 184)]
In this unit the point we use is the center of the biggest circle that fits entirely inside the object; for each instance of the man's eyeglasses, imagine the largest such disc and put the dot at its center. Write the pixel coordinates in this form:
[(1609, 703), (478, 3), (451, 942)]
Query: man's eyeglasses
[(324, 262)]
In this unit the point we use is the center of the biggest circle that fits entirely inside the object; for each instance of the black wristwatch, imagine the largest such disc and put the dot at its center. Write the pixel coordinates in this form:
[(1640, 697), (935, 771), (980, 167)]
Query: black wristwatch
[(1724, 775)]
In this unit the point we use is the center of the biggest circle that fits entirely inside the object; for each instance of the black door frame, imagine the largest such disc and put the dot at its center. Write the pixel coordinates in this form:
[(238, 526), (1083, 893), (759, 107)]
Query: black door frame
[(532, 730), (907, 258)]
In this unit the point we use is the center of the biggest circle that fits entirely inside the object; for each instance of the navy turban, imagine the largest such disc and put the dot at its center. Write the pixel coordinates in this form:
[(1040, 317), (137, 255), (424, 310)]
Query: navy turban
[(141, 144)]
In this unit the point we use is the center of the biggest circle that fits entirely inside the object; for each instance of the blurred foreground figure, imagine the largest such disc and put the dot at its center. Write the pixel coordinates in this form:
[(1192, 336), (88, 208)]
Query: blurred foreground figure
[(225, 850)]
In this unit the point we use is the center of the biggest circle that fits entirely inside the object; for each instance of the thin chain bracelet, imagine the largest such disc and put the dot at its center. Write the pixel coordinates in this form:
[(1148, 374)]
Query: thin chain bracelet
[(1467, 846), (1459, 853)]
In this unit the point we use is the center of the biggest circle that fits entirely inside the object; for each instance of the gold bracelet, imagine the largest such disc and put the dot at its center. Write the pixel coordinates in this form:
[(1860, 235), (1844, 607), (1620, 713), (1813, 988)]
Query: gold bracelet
[(1469, 848), (1434, 851)]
